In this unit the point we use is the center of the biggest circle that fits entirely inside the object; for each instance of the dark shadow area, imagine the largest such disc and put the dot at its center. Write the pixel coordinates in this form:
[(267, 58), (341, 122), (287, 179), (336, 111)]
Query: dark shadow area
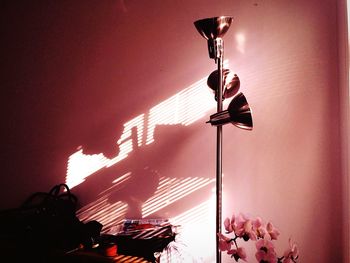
[(46, 229)]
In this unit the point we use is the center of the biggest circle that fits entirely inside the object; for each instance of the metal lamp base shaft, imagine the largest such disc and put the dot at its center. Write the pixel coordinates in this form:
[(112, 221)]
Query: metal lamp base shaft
[(219, 156)]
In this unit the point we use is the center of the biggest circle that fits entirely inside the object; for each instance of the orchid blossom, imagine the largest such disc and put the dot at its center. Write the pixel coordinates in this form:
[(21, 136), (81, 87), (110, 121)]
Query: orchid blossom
[(230, 225), (292, 253), (238, 253), (272, 231), (265, 251), (247, 228), (224, 242)]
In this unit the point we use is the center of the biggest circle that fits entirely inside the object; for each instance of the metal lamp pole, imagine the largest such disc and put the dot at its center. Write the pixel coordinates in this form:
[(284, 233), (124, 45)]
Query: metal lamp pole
[(219, 135), (212, 29)]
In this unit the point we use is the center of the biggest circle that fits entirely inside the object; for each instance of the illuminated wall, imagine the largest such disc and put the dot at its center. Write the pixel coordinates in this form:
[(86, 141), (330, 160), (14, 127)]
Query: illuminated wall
[(111, 97)]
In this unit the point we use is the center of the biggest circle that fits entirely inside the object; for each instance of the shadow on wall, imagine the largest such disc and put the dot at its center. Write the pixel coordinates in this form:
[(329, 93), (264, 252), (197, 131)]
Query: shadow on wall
[(142, 185)]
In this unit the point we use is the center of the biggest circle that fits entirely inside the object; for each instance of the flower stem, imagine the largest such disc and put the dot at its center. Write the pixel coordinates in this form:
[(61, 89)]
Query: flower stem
[(235, 241)]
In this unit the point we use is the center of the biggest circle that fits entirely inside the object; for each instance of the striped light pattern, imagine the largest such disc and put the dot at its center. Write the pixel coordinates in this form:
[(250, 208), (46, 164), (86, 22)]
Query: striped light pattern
[(106, 213), (171, 190), (197, 215), (185, 107)]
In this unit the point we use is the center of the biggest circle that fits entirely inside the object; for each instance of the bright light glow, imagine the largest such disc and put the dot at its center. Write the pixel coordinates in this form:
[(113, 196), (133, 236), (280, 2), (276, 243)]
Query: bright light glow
[(240, 39), (81, 166), (197, 230)]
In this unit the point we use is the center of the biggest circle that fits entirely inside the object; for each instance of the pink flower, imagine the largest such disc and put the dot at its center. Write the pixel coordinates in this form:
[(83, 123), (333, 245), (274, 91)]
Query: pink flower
[(249, 231), (259, 228), (265, 251), (238, 253), (230, 224), (224, 242), (240, 221), (292, 253), (272, 231), (244, 228), (253, 228)]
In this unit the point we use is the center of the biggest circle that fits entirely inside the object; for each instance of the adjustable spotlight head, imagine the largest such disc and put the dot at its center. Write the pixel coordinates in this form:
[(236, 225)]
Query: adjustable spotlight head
[(213, 29), (231, 83), (238, 113)]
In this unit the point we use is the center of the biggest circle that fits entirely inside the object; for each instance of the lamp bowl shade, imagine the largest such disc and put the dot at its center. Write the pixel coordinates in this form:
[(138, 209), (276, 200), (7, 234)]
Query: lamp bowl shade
[(215, 27), (231, 83)]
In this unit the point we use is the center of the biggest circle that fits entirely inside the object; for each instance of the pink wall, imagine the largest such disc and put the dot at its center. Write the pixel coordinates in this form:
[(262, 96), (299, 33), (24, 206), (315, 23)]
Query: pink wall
[(74, 72)]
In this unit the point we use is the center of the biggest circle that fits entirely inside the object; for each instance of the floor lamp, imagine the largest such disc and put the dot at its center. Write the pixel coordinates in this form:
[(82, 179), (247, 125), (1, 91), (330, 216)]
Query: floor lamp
[(238, 112)]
